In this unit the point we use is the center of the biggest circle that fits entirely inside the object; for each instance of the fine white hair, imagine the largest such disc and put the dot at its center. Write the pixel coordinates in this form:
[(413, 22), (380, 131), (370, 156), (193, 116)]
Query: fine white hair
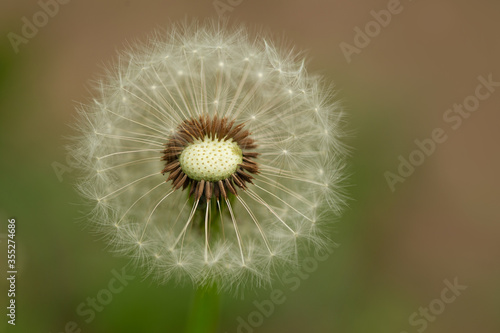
[(208, 69)]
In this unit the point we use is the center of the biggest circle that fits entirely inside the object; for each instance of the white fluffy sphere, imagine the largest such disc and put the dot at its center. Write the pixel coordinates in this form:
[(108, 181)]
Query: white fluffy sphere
[(238, 222)]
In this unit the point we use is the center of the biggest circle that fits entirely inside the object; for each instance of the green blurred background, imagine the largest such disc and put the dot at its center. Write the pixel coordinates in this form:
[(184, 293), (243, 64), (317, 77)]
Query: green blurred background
[(396, 248)]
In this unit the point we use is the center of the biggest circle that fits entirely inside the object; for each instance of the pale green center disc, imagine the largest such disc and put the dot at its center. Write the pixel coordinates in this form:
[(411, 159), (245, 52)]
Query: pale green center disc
[(210, 159)]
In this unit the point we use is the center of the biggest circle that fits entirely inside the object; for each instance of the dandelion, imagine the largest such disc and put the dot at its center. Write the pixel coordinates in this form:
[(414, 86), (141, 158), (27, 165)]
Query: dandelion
[(211, 157)]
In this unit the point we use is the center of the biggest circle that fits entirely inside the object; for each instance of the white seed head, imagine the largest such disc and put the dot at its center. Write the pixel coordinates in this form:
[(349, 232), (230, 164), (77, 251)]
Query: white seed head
[(212, 157)]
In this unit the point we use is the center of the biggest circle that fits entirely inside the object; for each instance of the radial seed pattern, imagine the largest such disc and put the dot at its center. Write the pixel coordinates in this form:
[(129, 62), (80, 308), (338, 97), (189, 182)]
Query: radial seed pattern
[(245, 103), (206, 154)]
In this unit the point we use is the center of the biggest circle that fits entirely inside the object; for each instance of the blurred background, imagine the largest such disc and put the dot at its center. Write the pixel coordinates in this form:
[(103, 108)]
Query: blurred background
[(398, 243)]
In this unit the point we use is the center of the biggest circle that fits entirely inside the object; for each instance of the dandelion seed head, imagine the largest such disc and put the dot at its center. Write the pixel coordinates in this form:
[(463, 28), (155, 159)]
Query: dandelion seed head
[(211, 156)]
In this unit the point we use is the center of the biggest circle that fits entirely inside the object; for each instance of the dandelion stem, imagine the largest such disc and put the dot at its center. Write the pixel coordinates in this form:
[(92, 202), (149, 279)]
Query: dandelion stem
[(204, 311)]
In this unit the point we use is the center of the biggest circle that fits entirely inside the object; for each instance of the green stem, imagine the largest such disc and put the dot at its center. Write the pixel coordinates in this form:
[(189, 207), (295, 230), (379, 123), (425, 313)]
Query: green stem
[(204, 314), (204, 311)]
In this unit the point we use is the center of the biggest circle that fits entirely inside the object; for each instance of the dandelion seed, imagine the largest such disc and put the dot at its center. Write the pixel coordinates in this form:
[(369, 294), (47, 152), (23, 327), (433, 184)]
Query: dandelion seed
[(204, 164)]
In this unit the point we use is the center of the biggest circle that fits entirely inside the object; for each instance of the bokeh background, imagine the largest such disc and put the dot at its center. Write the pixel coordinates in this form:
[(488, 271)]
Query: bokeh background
[(395, 247)]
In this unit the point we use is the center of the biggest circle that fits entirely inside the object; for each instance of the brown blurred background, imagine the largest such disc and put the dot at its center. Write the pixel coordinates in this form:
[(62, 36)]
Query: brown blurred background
[(396, 248)]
